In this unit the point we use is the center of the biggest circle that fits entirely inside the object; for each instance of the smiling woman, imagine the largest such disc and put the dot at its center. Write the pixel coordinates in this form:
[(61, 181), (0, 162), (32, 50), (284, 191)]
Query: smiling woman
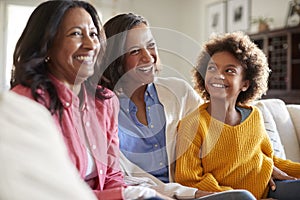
[(75, 48), (56, 63)]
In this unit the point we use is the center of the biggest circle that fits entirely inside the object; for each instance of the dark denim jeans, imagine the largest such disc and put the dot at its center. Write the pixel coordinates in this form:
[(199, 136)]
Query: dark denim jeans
[(286, 190), (227, 195), (230, 195)]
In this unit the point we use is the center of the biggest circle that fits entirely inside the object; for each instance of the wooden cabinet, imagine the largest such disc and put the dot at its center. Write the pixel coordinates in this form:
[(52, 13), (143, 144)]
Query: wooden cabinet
[(282, 47)]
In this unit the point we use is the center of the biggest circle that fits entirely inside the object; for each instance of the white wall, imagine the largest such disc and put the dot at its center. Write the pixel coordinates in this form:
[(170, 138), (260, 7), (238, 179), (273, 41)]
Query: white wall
[(277, 9), (2, 63), (189, 16)]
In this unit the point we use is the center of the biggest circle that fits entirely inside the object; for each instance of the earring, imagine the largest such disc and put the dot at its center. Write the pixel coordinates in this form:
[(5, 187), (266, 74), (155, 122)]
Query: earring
[(47, 59)]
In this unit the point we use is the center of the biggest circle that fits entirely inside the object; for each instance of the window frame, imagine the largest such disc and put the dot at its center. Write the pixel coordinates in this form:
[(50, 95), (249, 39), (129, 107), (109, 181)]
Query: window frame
[(4, 4)]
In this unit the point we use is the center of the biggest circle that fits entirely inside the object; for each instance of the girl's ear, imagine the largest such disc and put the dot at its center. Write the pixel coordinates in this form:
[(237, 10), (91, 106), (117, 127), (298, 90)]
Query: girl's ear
[(246, 85)]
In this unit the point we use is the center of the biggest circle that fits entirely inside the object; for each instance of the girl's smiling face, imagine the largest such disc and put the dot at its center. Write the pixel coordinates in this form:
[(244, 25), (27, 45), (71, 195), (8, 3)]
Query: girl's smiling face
[(225, 77)]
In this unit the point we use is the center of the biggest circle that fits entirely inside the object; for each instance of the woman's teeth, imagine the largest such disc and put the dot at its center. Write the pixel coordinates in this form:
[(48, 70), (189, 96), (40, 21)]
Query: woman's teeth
[(85, 58), (218, 85), (145, 69)]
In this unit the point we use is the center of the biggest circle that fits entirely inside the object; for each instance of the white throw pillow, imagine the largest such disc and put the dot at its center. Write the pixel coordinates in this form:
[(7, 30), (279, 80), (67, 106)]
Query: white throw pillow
[(285, 127), (272, 131)]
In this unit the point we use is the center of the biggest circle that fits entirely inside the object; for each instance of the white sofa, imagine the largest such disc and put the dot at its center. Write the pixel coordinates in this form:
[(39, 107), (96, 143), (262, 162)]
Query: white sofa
[(282, 123)]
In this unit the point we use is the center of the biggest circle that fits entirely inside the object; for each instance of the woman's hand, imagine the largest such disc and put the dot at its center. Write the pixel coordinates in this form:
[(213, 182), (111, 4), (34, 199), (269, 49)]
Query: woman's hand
[(201, 193), (277, 174), (163, 196), (140, 192)]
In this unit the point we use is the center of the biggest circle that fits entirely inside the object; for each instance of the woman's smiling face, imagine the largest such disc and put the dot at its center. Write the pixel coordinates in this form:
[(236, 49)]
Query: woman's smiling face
[(75, 48), (141, 54)]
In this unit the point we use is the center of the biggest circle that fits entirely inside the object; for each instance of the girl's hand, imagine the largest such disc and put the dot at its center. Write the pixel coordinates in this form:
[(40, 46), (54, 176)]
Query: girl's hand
[(201, 193), (277, 174)]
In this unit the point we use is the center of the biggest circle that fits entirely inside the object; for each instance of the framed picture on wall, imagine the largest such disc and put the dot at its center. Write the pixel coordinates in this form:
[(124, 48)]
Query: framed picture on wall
[(216, 15), (238, 15), (293, 15)]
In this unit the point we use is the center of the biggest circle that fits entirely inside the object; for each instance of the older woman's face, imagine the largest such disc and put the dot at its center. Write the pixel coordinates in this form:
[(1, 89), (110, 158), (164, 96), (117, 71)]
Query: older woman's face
[(75, 48)]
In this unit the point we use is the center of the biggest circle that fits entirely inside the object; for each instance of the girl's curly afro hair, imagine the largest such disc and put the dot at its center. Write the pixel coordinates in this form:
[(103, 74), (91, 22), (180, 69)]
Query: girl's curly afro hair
[(252, 58)]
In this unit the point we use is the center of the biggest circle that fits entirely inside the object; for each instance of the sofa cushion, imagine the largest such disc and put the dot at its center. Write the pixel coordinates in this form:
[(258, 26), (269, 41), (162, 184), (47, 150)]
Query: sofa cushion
[(272, 131), (285, 127)]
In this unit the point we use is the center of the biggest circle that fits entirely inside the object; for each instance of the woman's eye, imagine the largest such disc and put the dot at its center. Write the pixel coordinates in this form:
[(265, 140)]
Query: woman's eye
[(134, 51), (94, 34), (232, 71), (211, 68), (76, 33), (152, 45)]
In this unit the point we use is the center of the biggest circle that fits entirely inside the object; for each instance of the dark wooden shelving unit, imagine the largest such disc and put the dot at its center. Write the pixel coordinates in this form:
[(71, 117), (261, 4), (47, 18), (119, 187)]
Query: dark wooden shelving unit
[(282, 47)]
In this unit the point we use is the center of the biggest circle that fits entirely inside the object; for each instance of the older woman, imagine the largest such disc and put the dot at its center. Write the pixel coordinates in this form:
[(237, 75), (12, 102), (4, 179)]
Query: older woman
[(57, 64)]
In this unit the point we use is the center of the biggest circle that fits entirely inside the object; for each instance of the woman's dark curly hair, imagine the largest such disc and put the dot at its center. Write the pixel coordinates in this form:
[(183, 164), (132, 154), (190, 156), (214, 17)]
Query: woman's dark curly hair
[(116, 30), (252, 58), (30, 67)]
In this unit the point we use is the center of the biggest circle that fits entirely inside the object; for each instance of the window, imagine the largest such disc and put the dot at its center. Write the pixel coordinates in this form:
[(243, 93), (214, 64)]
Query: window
[(14, 15), (17, 17)]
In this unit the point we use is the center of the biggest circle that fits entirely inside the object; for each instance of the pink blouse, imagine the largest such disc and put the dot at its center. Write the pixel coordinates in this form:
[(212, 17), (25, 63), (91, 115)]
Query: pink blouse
[(93, 123)]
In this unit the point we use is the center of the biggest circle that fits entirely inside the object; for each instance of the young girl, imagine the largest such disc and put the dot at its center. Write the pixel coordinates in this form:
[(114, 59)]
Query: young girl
[(230, 148)]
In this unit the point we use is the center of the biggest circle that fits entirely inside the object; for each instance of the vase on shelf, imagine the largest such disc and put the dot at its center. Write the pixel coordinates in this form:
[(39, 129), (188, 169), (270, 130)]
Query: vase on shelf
[(263, 27)]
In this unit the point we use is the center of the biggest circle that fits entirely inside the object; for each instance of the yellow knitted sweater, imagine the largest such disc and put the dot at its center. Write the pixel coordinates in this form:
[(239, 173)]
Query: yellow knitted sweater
[(214, 156)]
